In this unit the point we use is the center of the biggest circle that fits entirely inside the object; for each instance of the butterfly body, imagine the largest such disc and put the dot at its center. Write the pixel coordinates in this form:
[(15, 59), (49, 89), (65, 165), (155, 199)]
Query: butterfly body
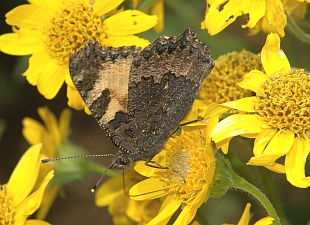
[(139, 96)]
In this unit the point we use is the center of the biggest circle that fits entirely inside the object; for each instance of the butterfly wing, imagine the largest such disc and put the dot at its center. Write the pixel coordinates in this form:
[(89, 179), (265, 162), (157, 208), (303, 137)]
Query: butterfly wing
[(101, 75), (164, 80)]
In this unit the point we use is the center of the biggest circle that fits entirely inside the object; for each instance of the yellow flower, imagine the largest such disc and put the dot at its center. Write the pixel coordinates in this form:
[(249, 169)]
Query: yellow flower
[(51, 32), (222, 13), (18, 198), (277, 117), (189, 155), (245, 218), (123, 209), (157, 8)]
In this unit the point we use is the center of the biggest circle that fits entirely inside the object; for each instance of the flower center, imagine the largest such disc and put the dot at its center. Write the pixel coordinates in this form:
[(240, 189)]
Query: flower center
[(283, 101), (6, 207), (221, 84), (191, 163), (70, 29)]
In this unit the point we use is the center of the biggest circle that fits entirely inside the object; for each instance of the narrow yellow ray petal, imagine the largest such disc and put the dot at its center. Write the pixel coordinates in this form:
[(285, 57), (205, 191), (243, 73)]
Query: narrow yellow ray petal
[(31, 130), (48, 5), (20, 43), (27, 15), (262, 139), (168, 208), (36, 66), (128, 40), (244, 104), (64, 122), (129, 22), (295, 162), (275, 15), (150, 188), (235, 125), (25, 174), (280, 144), (215, 110), (74, 98), (33, 201), (276, 167), (273, 57), (51, 79), (252, 80), (107, 192)]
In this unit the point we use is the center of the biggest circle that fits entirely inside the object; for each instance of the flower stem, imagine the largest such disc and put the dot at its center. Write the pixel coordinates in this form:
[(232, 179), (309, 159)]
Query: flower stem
[(242, 184), (295, 29)]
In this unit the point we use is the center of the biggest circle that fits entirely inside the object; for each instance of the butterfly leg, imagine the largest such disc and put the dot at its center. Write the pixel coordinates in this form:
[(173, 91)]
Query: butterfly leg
[(154, 164)]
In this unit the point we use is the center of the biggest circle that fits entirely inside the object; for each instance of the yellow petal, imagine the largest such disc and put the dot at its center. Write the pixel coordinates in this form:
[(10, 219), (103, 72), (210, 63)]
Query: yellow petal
[(168, 208), (21, 43), (295, 161), (215, 110), (262, 139), (107, 192), (32, 130), (64, 122), (280, 144), (245, 218), (275, 15), (36, 66), (276, 167), (263, 160), (51, 79), (150, 188), (48, 199), (186, 216), (244, 104), (27, 16), (252, 80), (158, 10), (25, 174), (222, 13), (273, 57), (235, 125), (224, 145), (51, 123), (128, 40), (74, 98), (48, 5), (103, 7), (129, 22), (265, 221), (32, 202)]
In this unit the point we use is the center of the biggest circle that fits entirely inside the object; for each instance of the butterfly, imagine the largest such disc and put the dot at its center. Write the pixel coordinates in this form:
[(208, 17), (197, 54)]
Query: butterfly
[(139, 96)]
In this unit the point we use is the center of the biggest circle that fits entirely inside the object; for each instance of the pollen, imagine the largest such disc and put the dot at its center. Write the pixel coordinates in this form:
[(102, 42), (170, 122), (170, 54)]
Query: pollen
[(283, 101), (221, 84), (186, 156), (70, 29), (6, 207)]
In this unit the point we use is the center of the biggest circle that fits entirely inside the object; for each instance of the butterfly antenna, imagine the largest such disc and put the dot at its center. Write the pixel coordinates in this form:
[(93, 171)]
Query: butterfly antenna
[(100, 179), (74, 157)]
